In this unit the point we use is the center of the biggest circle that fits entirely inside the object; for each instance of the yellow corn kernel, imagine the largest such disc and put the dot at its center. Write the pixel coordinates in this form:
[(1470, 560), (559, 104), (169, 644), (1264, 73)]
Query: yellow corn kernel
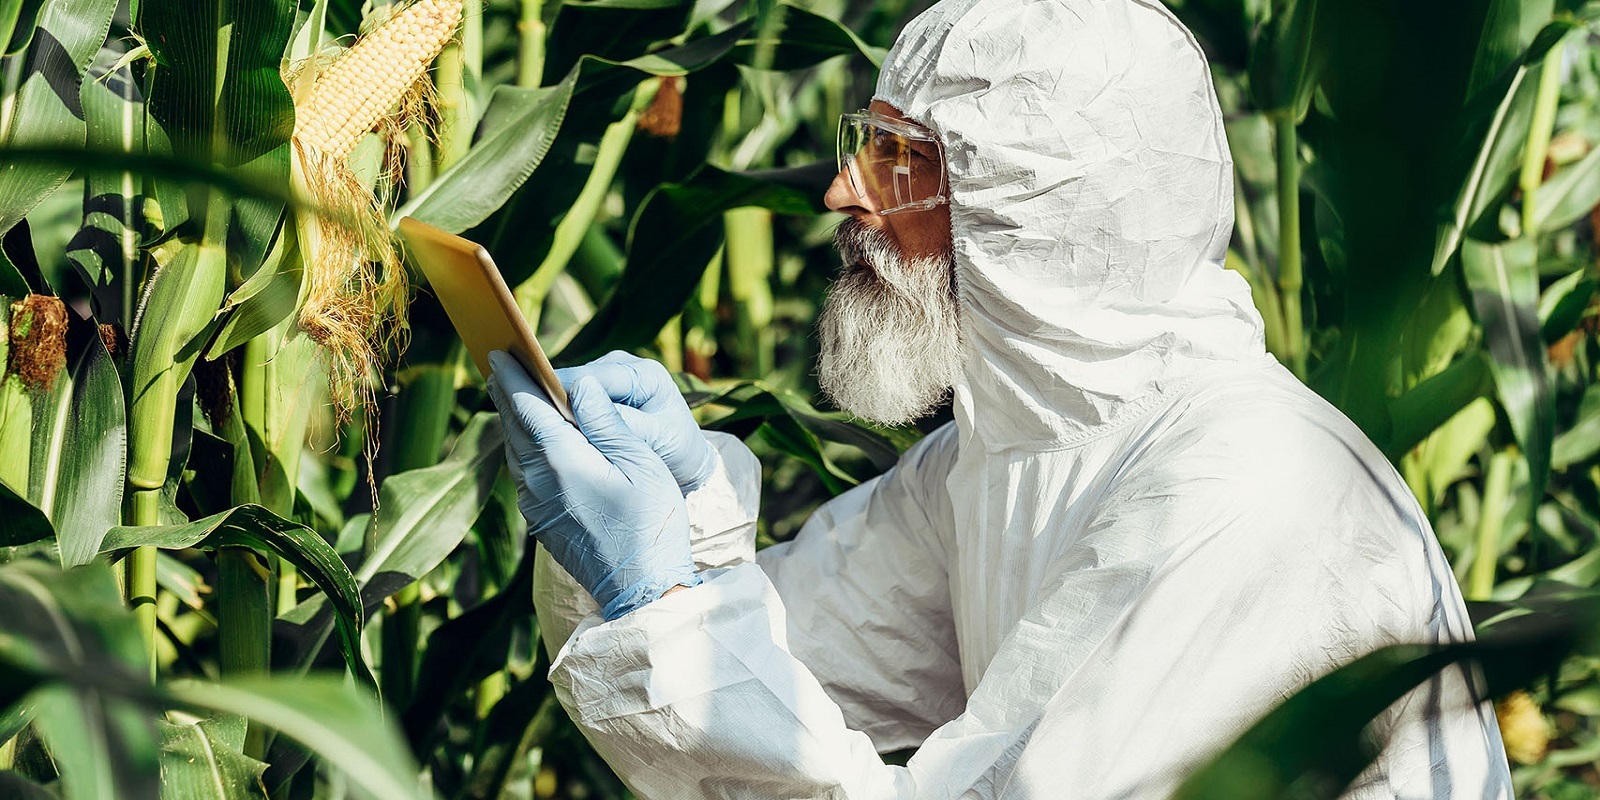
[(366, 81)]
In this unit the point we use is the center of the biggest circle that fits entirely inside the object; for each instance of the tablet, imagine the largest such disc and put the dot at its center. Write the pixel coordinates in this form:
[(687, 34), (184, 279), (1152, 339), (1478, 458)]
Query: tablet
[(479, 304)]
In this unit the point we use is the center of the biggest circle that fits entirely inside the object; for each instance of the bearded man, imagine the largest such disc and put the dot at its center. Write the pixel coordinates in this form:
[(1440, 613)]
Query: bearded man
[(1138, 534)]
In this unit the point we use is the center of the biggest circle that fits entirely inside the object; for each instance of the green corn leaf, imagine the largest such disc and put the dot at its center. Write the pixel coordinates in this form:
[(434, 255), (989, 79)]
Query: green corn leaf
[(794, 38), (423, 516), (1570, 194), (257, 528), (1504, 282), (522, 127), (71, 626), (45, 105), (1564, 303), (1494, 169), (338, 722), (105, 249), (181, 299), (1283, 62), (20, 521), (1581, 442), (251, 113), (465, 650), (673, 236), (13, 785), (79, 449), (263, 301), (598, 30), (199, 763)]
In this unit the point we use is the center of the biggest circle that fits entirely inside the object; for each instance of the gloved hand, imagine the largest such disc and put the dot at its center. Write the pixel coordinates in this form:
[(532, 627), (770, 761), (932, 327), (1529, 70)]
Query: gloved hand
[(654, 408), (595, 496)]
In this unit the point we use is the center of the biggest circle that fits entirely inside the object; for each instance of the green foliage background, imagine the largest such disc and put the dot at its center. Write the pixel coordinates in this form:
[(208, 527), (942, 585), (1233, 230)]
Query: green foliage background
[(1417, 186)]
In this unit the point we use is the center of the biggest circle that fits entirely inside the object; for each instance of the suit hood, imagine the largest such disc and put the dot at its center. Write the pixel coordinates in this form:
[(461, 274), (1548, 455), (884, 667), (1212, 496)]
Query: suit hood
[(1091, 205)]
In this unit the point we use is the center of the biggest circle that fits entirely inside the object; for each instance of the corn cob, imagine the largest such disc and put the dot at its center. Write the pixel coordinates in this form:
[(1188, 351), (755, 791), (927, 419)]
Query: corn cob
[(365, 82), (1522, 728)]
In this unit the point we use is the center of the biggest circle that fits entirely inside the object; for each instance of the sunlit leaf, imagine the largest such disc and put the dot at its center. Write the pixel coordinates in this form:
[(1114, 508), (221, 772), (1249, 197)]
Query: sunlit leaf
[(1504, 282), (339, 722), (256, 527), (80, 444), (197, 764)]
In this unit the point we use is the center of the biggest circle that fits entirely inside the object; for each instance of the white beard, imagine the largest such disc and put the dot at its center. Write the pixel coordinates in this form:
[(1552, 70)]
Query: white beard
[(890, 329)]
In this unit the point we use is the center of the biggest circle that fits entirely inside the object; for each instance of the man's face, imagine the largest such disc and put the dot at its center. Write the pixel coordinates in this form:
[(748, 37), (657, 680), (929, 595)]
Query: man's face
[(891, 342)]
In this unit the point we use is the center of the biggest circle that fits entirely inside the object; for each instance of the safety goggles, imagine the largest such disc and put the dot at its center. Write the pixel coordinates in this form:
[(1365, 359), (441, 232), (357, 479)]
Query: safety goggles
[(896, 165)]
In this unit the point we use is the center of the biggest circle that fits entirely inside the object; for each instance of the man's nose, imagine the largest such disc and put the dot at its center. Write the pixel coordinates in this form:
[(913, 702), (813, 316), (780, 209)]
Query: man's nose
[(842, 197)]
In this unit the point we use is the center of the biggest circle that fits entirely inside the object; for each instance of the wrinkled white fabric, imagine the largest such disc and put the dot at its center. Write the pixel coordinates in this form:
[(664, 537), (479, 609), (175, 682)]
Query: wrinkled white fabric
[(1139, 534)]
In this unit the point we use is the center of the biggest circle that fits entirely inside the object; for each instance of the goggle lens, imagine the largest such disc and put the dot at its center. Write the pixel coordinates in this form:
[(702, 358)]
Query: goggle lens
[(896, 170)]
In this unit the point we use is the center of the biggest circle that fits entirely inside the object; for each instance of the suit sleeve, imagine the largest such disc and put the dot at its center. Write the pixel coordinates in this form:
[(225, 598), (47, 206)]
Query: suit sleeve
[(1179, 613)]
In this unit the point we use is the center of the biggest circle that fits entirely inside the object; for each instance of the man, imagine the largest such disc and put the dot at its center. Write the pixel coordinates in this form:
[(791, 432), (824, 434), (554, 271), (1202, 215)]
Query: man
[(1138, 535)]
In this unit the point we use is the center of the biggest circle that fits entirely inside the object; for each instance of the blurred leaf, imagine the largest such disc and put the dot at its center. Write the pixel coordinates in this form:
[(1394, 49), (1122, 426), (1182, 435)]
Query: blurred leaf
[(340, 723), (14, 786), (423, 516), (80, 444), (181, 580), (1570, 194), (70, 625), (198, 765), (20, 522), (672, 238), (1499, 158), (795, 38), (1563, 304), (611, 30), (1312, 745), (1283, 62), (1504, 281), (156, 166), (257, 528), (46, 109), (17, 18), (1580, 442)]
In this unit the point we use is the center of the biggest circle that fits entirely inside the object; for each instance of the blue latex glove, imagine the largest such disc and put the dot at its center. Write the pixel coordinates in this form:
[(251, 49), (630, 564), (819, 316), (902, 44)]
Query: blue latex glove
[(654, 408), (595, 496)]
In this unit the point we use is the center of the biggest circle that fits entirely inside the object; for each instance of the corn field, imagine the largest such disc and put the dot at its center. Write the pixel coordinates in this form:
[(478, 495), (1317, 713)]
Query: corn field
[(257, 539)]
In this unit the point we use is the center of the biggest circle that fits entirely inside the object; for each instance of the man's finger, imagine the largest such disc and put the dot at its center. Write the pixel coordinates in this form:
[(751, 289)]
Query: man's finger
[(642, 423), (623, 382), (525, 400), (604, 427)]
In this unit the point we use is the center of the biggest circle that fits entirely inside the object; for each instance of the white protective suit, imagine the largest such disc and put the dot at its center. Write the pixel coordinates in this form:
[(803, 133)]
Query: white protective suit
[(1139, 534)]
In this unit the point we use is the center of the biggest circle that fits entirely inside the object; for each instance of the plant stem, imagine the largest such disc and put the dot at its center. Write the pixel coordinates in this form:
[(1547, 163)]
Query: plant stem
[(1491, 520), (1290, 277), (570, 231), (1538, 148), (749, 257), (530, 44), (427, 398)]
